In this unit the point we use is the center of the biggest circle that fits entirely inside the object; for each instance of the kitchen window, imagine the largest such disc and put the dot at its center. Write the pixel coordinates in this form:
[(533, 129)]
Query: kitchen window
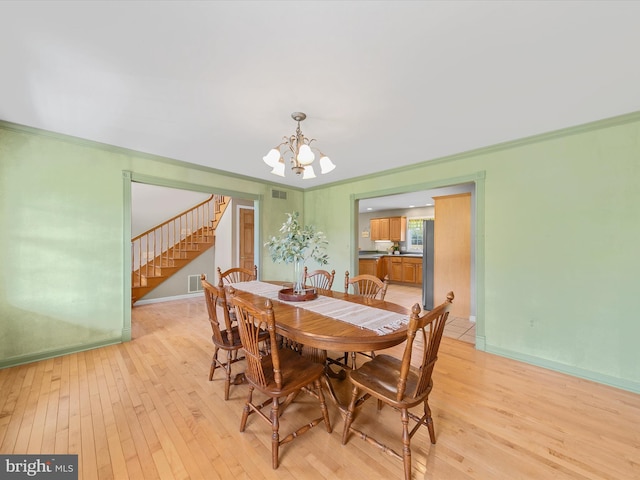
[(415, 233)]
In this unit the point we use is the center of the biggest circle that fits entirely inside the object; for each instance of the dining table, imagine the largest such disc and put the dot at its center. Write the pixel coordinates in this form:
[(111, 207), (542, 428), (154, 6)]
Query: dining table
[(334, 321)]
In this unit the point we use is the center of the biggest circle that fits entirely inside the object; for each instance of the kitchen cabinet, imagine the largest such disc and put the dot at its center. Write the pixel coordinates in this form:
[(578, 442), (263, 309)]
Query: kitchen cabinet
[(395, 274), (373, 266), (412, 270), (379, 229), (384, 267), (397, 229), (388, 228), (399, 268), (374, 227), (368, 266), (404, 269)]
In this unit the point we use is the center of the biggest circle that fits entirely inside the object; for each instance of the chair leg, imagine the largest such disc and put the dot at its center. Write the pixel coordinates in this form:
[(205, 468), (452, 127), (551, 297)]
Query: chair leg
[(214, 360), (348, 419), (323, 405), (429, 421), (275, 437), (227, 382), (246, 409), (406, 444)]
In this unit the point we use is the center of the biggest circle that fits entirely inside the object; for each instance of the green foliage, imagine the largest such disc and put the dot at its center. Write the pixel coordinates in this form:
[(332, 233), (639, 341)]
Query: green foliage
[(298, 242)]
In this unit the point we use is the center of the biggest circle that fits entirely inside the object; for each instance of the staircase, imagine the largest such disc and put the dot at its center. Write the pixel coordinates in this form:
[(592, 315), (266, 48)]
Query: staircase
[(161, 251)]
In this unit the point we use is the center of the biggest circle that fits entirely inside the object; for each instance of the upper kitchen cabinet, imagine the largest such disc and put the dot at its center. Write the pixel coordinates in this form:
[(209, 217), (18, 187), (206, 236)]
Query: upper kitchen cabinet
[(397, 229), (379, 229), (389, 228)]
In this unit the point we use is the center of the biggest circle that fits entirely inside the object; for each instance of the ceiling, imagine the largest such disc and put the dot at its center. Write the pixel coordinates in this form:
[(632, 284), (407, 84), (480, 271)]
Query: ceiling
[(384, 84), (404, 201)]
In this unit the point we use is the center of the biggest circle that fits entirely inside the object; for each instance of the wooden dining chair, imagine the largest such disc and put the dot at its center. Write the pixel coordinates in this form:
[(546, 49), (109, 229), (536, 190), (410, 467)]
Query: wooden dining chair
[(236, 275), (225, 336), (319, 278), (366, 285), (399, 384), (276, 373)]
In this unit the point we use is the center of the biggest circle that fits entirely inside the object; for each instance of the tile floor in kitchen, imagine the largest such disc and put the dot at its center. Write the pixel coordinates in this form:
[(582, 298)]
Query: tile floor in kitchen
[(460, 328)]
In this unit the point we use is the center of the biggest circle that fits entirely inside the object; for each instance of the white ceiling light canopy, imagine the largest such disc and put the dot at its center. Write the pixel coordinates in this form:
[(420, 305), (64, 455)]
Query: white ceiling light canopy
[(300, 153)]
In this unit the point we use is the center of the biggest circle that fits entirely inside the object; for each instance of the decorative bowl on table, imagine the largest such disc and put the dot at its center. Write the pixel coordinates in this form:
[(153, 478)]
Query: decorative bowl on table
[(288, 295)]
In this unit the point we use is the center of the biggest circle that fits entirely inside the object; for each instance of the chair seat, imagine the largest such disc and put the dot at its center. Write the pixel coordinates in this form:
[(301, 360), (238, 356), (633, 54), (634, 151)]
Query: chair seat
[(296, 371), (235, 342), (379, 377), (227, 344)]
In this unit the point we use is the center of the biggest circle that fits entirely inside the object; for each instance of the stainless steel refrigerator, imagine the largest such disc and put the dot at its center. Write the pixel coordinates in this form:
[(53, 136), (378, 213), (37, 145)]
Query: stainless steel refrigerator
[(427, 264)]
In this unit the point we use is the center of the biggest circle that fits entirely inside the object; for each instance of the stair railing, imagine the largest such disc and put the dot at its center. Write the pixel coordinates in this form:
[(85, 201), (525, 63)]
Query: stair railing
[(160, 245)]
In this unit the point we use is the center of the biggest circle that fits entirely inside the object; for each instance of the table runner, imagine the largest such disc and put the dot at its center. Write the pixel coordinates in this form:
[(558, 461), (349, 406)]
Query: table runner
[(363, 316)]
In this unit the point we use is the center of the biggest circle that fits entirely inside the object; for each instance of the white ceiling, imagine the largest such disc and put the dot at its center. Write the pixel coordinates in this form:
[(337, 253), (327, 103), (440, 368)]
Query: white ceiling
[(384, 84), (403, 201)]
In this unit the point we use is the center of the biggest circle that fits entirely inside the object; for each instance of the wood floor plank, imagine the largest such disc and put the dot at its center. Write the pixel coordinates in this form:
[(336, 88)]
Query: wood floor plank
[(51, 416), (62, 417), (88, 464), (10, 413), (40, 413), (11, 379), (31, 387), (145, 409)]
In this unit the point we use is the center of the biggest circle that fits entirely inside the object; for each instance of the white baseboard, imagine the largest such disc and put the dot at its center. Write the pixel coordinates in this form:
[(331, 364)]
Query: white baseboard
[(169, 299)]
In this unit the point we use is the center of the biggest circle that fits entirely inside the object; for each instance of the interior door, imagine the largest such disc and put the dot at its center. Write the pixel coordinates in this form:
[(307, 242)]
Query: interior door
[(247, 258)]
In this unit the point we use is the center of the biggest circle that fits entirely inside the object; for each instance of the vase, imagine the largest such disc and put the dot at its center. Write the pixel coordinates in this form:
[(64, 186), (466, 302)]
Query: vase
[(298, 276)]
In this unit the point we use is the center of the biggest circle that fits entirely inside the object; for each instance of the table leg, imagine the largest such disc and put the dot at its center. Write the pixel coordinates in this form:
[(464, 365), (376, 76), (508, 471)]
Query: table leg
[(320, 356)]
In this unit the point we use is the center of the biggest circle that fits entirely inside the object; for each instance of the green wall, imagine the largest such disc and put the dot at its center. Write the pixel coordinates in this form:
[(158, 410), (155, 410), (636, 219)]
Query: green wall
[(64, 224), (558, 235), (558, 229)]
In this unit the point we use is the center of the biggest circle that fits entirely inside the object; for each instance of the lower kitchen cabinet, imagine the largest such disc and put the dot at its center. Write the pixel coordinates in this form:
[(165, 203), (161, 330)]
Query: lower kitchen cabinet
[(412, 270), (368, 266), (395, 273), (399, 268), (405, 269)]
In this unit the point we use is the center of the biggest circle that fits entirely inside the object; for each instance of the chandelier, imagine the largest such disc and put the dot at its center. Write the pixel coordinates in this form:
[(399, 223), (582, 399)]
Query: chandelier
[(298, 148)]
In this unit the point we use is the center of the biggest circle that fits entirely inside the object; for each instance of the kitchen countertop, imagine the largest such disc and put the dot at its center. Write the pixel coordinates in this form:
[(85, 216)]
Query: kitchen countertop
[(373, 256)]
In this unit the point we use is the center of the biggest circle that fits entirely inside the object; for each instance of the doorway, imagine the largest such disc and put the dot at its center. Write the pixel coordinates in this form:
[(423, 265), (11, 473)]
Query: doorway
[(399, 202), (128, 179)]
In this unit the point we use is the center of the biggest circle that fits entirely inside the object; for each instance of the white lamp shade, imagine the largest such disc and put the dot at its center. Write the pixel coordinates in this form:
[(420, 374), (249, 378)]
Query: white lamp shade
[(326, 165), (308, 172), (272, 158), (305, 155), (278, 169)]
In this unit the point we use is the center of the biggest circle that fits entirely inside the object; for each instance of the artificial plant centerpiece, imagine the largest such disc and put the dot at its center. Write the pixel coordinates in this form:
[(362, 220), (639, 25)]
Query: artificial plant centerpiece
[(296, 244)]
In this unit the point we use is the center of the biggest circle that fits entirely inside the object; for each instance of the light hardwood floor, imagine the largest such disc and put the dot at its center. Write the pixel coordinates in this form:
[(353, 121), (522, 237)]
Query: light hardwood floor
[(145, 410)]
